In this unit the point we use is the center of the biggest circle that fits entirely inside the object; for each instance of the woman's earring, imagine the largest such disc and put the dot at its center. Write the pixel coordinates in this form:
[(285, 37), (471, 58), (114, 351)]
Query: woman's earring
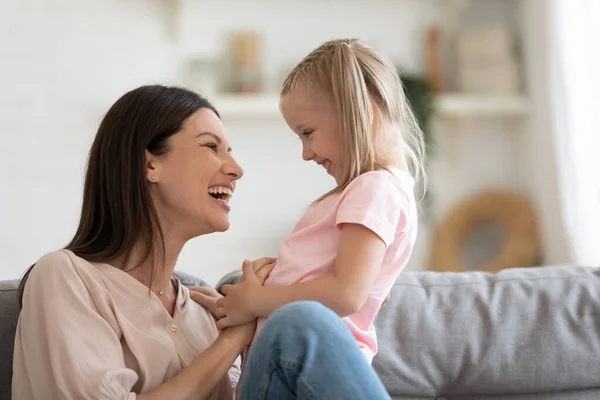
[(153, 177)]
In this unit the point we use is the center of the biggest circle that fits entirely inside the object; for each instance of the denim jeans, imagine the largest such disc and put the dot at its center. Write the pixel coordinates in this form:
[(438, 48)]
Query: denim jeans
[(304, 351)]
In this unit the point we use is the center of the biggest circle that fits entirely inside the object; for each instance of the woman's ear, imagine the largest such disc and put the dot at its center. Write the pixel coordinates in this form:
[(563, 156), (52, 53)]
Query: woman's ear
[(152, 167)]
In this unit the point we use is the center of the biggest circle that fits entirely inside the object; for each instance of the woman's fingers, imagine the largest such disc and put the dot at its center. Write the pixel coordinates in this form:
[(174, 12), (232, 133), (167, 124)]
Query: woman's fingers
[(263, 274), (225, 289), (220, 312), (262, 262), (204, 290), (385, 300), (223, 323), (210, 303)]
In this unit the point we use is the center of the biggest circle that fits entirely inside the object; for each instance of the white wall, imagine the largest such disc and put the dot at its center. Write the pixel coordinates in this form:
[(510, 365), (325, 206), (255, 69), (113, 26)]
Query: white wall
[(63, 63)]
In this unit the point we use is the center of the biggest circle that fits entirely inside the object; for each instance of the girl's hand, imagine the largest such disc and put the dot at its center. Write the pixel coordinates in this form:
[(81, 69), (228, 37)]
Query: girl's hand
[(207, 297), (236, 307)]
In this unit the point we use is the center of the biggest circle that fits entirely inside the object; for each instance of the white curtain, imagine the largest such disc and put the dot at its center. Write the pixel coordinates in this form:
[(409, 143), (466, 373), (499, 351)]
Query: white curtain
[(563, 42)]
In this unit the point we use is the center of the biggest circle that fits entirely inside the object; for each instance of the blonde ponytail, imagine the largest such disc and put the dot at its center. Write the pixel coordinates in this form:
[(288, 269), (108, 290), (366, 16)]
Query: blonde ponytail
[(378, 127), (355, 112)]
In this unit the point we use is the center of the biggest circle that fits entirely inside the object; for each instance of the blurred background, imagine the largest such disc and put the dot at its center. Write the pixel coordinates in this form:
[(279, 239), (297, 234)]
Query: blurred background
[(505, 90)]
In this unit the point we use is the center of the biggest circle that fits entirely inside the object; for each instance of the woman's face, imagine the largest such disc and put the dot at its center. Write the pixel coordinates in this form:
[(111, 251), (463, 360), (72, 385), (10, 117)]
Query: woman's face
[(192, 183)]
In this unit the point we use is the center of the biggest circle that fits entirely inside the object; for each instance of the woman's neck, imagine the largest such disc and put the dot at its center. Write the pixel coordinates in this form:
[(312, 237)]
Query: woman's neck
[(140, 265)]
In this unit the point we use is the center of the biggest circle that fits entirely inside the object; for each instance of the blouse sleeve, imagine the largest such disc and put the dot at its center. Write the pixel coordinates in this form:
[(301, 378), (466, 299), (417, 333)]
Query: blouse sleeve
[(234, 374), (64, 348)]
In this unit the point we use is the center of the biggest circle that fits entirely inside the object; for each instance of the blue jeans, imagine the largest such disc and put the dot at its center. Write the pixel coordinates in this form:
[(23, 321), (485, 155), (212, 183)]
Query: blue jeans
[(305, 351)]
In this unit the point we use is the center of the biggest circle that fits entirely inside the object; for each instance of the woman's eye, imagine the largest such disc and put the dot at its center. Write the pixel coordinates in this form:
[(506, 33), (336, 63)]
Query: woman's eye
[(307, 132), (213, 146)]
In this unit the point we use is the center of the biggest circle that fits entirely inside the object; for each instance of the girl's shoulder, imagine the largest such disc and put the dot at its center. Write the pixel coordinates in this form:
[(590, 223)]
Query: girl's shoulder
[(393, 179)]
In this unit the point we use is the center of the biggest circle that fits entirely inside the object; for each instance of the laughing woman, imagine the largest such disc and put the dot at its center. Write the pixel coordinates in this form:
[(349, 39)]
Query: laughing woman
[(105, 318)]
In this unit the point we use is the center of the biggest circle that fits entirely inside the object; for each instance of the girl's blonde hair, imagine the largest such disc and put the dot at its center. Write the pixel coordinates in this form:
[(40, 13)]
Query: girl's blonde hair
[(367, 93)]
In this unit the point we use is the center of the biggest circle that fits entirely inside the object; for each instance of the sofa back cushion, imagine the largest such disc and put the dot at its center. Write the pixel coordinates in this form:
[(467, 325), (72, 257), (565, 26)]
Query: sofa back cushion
[(522, 331), (9, 314)]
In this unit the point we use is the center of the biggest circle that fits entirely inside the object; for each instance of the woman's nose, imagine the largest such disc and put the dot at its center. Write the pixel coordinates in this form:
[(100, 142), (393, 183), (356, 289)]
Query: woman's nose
[(232, 168)]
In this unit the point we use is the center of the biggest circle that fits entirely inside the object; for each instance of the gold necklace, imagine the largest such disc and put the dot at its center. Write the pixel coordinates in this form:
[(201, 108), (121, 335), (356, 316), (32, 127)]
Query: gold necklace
[(162, 291)]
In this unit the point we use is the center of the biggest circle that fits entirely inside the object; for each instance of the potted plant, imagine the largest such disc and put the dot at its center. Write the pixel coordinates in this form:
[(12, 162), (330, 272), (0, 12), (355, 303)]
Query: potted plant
[(421, 100)]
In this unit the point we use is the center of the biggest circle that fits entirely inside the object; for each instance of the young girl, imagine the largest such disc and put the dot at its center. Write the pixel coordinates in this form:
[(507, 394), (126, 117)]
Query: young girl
[(346, 104)]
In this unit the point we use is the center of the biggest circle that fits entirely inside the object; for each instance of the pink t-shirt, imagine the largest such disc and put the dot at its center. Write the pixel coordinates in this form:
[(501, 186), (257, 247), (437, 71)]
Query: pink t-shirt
[(379, 200)]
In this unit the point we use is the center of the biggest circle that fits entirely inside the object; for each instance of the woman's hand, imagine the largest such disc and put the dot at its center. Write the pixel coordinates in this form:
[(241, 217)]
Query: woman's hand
[(236, 307), (206, 297), (240, 335), (262, 268), (385, 301)]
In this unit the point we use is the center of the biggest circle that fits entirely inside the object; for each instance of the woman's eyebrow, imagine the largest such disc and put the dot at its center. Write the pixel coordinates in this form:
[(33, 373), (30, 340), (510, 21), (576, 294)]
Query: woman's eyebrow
[(218, 139)]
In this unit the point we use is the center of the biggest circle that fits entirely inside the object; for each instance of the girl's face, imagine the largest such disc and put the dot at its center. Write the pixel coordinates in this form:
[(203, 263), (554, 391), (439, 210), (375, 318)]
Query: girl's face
[(314, 120)]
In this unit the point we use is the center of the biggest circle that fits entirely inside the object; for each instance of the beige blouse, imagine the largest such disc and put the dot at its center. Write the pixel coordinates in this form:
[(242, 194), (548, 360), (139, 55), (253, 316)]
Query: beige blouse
[(91, 331)]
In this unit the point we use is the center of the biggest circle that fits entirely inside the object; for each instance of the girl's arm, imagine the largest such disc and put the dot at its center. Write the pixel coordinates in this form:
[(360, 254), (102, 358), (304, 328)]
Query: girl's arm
[(372, 209), (359, 259)]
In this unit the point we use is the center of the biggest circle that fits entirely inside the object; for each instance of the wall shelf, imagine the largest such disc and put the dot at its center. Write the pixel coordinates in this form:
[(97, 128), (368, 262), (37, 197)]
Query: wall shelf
[(450, 105), (247, 105), (469, 105)]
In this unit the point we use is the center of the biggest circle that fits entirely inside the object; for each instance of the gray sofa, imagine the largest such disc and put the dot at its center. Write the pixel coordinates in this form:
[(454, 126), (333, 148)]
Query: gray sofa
[(520, 334)]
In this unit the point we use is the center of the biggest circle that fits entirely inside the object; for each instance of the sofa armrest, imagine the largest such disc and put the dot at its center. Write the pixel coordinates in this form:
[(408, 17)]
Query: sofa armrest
[(229, 279), (190, 280)]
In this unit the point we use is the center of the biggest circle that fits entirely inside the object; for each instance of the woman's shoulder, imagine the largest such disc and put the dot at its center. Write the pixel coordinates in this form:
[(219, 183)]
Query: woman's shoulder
[(62, 280), (58, 261), (59, 265)]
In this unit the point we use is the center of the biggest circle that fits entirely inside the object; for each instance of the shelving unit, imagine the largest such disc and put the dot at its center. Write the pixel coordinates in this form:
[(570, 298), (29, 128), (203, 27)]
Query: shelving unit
[(450, 105), (247, 105), (468, 105)]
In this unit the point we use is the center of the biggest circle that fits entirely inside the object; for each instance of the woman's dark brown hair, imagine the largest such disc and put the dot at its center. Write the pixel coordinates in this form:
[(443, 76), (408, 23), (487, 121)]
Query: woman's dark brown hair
[(117, 208)]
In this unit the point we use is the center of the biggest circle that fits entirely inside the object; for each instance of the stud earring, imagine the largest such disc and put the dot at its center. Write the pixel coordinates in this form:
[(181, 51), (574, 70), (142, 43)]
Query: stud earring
[(153, 177)]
